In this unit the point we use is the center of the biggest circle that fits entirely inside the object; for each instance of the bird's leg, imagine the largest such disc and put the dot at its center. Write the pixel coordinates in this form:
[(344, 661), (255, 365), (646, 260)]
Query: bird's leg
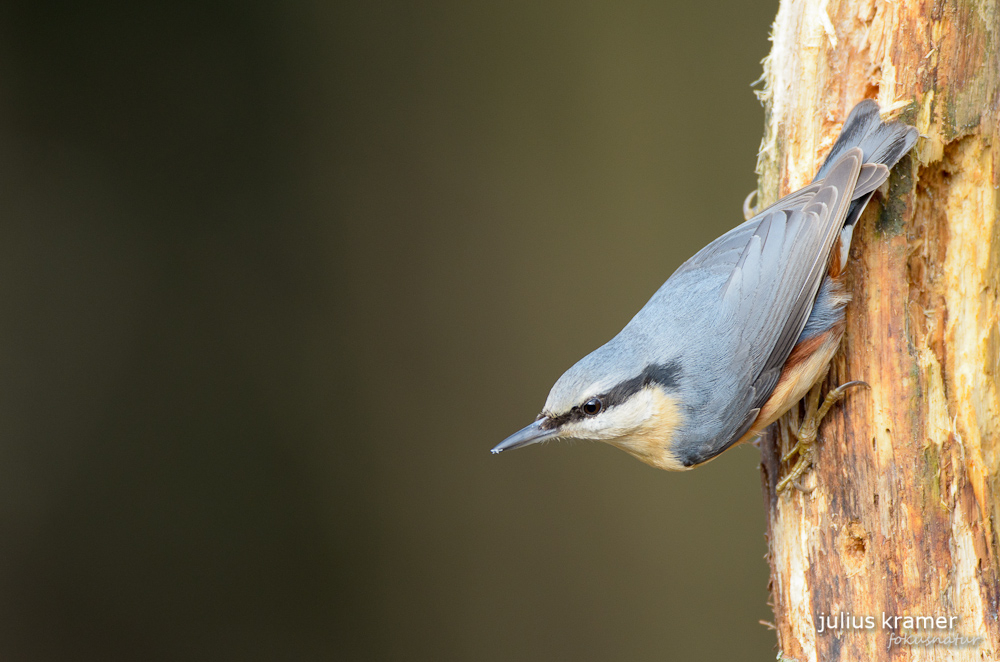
[(749, 210), (805, 434)]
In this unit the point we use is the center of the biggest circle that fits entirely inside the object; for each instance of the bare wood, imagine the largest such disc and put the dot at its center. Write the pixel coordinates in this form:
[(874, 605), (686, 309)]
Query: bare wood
[(905, 499)]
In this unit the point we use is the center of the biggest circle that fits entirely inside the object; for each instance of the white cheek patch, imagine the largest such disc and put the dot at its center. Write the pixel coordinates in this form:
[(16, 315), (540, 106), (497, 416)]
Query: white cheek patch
[(644, 426), (616, 422)]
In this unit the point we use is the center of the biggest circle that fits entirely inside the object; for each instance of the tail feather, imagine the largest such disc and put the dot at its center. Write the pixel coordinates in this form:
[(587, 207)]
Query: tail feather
[(883, 143)]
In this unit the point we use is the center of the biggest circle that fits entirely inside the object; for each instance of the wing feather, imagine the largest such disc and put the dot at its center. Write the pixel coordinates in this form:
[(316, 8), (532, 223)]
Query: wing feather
[(775, 263)]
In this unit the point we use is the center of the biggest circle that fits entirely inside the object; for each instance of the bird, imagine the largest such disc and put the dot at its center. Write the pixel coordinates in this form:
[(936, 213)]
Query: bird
[(740, 332)]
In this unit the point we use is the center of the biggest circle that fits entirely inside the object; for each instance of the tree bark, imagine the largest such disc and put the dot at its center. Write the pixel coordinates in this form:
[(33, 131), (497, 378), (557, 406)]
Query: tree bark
[(904, 503)]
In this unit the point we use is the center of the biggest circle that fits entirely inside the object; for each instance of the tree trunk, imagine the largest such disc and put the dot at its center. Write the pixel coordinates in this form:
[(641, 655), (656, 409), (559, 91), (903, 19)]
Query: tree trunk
[(905, 500)]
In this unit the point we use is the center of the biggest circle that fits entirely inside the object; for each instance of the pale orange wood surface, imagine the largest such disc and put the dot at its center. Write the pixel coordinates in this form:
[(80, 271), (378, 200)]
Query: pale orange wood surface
[(902, 515)]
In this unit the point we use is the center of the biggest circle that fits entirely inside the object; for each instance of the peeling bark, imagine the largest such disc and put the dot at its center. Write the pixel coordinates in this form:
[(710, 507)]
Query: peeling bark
[(902, 516)]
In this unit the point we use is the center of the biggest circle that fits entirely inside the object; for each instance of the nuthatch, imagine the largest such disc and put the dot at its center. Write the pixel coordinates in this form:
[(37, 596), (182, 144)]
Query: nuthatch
[(741, 331)]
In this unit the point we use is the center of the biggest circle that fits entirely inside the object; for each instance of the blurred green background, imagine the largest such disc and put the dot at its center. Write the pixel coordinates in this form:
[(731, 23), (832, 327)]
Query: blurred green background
[(275, 277)]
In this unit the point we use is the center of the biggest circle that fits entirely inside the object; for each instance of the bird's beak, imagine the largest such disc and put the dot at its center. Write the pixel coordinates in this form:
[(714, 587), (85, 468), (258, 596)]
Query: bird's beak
[(527, 436)]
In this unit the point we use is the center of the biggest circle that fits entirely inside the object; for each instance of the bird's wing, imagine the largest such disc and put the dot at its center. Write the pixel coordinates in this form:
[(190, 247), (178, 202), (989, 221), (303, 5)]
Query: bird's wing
[(775, 264), (723, 253)]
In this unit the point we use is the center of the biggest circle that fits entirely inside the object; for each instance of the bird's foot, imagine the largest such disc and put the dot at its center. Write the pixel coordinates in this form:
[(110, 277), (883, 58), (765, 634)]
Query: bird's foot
[(805, 435), (749, 209)]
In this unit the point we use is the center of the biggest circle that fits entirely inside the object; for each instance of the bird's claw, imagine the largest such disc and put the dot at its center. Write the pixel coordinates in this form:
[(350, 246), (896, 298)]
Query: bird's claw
[(749, 209), (806, 433)]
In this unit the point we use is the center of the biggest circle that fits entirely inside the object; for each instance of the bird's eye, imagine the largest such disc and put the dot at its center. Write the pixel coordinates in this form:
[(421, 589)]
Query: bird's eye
[(593, 407)]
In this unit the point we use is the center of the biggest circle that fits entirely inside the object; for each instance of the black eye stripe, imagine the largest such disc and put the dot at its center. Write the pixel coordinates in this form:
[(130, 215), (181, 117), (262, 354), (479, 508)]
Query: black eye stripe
[(665, 374)]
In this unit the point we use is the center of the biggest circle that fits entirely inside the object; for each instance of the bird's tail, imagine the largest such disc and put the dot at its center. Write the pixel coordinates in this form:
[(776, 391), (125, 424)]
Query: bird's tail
[(881, 142)]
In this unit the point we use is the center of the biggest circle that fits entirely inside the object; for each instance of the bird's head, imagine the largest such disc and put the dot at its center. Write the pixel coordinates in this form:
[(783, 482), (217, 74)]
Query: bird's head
[(634, 409)]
